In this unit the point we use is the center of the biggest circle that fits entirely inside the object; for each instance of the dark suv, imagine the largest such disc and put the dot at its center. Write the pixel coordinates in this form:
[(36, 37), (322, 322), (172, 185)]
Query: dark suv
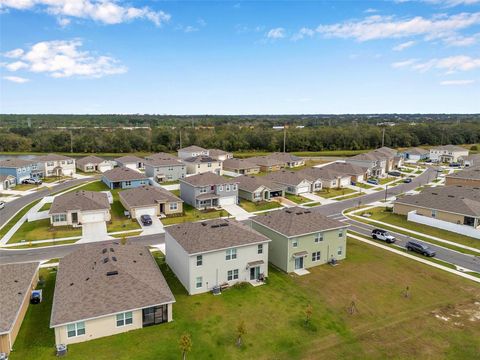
[(146, 220), (379, 234), (420, 248)]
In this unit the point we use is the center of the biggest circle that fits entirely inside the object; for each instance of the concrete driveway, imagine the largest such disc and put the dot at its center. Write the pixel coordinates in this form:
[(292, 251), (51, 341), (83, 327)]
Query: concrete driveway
[(155, 228), (237, 212), (94, 231)]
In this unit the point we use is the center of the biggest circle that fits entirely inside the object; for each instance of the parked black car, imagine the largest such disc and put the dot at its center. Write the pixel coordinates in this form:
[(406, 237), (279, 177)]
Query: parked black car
[(455, 165), (407, 180), (36, 297), (384, 235), (420, 248), (146, 220), (395, 173)]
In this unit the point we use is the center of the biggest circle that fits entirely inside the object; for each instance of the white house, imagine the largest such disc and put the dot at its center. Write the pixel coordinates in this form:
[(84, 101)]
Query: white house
[(56, 165), (192, 151), (215, 253), (447, 153), (202, 164)]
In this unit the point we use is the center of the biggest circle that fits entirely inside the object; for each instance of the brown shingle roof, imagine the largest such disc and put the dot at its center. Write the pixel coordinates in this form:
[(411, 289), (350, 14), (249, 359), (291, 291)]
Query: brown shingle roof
[(147, 195), (417, 151), (345, 168), (15, 280), (215, 153), (91, 159), (206, 179), (322, 173), (192, 148), (449, 148), (160, 155), (472, 173), (53, 157), (239, 164), (266, 161), (252, 183), (83, 290), (286, 177), (284, 157), (16, 163), (79, 200), (297, 221), (200, 159), (123, 174), (213, 235), (127, 159)]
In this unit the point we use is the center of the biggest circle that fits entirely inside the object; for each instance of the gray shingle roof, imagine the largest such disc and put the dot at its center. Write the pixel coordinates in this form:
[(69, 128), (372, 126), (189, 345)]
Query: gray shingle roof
[(160, 155), (79, 200), (5, 177), (53, 157), (266, 161), (463, 200), (213, 235), (200, 159), (286, 177), (157, 161), (449, 148), (215, 153), (251, 183), (472, 173), (322, 173), (192, 148), (239, 164), (297, 221), (15, 280), (284, 157), (16, 163), (91, 159), (345, 168), (123, 174), (417, 151), (128, 159), (83, 289), (147, 195), (206, 179)]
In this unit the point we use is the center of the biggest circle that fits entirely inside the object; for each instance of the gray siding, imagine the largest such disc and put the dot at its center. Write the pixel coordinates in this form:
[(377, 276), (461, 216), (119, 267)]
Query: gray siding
[(176, 172)]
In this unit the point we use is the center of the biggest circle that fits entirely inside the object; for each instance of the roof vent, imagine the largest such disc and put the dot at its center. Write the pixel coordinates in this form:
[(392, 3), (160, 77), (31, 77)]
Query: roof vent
[(307, 212), (215, 226), (112, 273), (114, 258), (105, 260), (19, 293), (71, 284), (104, 251), (204, 224), (111, 250), (451, 196), (15, 281), (224, 224), (87, 279)]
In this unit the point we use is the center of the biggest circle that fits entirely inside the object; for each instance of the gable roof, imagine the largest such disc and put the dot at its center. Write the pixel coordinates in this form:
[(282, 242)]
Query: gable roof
[(6, 177), (15, 280), (161, 155), (322, 173), (251, 183), (284, 157), (470, 173), (211, 235), (416, 151), (158, 161), (296, 221), (287, 177), (79, 200), (457, 199), (239, 164), (101, 279), (345, 168), (215, 153), (123, 174), (207, 178), (147, 195), (53, 157), (91, 159), (128, 159), (192, 148), (266, 161), (449, 148), (200, 159), (16, 163)]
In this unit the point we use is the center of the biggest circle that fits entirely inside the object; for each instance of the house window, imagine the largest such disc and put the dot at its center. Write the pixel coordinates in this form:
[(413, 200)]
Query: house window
[(260, 249), (198, 282), (203, 190), (198, 166), (294, 243), (76, 329), (318, 237), (434, 213), (69, 162), (227, 187), (340, 233), (209, 164), (199, 260), (234, 187), (50, 163), (232, 275), (220, 188), (316, 256), (59, 218), (231, 254), (124, 318), (128, 183), (173, 206), (340, 250)]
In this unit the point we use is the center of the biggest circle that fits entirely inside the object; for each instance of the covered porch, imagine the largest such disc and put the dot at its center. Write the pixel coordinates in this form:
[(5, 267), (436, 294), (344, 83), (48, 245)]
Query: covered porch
[(206, 201)]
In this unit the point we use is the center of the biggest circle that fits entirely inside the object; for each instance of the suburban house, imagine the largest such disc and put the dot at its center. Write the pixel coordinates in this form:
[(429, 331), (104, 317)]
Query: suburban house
[(294, 182), (220, 155), (215, 253), (124, 178), (241, 166), (325, 178), (208, 190), (267, 164), (258, 188), (454, 208), (376, 162), (21, 169), (150, 200), (202, 164), (7, 182), (356, 173), (16, 283), (301, 238), (415, 154), (107, 289), (470, 160), (93, 163), (192, 151), (56, 165), (160, 155), (79, 207), (468, 177), (167, 168), (447, 153), (131, 162), (289, 160)]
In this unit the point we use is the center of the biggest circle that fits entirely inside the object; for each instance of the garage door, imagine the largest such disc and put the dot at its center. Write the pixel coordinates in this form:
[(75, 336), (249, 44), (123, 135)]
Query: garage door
[(227, 200), (345, 181), (303, 189), (95, 217), (145, 211), (103, 168)]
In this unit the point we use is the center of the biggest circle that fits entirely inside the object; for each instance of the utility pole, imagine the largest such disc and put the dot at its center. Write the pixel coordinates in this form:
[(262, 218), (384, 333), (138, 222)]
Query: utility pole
[(284, 136), (71, 141), (383, 137), (180, 138)]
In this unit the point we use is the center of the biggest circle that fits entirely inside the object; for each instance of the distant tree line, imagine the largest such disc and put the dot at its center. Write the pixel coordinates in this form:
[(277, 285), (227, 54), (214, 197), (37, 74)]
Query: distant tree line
[(236, 137)]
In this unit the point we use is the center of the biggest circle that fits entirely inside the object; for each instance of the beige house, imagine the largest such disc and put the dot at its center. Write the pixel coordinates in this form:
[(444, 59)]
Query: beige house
[(202, 164), (16, 284), (192, 151), (267, 164), (290, 160), (468, 177), (150, 200), (107, 289), (57, 165), (356, 173), (218, 154), (241, 166), (93, 164), (79, 207)]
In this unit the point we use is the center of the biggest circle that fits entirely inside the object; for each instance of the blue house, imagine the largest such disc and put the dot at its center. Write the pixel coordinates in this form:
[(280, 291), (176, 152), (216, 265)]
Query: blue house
[(124, 178), (21, 169)]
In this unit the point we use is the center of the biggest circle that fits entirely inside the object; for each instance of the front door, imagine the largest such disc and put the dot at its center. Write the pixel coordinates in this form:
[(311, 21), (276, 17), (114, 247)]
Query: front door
[(75, 218), (299, 263), (162, 208), (254, 273), (154, 315)]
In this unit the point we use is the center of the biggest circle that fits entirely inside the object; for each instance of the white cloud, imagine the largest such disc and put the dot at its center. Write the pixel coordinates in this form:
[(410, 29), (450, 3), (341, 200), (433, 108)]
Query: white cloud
[(403, 46), (456, 82), (61, 59), (276, 33), (63, 22), (303, 32), (370, 11), (105, 11), (14, 53), (16, 79), (450, 65), (405, 63), (452, 3)]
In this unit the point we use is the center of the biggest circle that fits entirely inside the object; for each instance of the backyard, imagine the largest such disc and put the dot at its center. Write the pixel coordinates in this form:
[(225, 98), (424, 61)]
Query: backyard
[(258, 206), (359, 311)]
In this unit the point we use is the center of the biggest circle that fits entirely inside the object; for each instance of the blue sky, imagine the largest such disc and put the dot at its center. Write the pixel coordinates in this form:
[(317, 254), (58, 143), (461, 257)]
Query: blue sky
[(179, 57)]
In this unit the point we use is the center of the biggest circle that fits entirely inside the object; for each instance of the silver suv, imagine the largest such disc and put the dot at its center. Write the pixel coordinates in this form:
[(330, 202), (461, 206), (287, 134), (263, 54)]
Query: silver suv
[(384, 235)]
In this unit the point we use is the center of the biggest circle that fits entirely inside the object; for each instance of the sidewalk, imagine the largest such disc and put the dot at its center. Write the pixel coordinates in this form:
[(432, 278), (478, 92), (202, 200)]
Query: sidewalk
[(237, 212), (317, 198)]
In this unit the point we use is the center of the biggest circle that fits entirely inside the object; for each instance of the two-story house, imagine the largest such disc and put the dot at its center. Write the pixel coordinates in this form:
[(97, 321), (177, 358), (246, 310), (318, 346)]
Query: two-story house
[(202, 164), (124, 178), (447, 153), (301, 238), (56, 165), (218, 154), (192, 151), (208, 190), (209, 254), (21, 169), (166, 168)]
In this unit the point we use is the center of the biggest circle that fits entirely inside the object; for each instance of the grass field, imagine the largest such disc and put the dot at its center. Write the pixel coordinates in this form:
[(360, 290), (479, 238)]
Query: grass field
[(441, 310), (299, 199), (192, 214), (329, 193), (17, 217), (363, 186), (258, 206)]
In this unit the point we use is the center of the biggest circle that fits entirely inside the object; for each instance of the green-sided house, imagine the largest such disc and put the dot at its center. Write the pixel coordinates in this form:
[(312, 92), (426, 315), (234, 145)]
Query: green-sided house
[(301, 238)]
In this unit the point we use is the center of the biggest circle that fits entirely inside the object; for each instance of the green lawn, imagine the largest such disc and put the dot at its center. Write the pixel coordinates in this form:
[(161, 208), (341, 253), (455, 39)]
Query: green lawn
[(17, 217), (299, 199), (175, 192), (45, 207), (41, 230), (383, 181), (329, 193), (312, 204), (30, 245), (170, 182), (407, 170), (363, 186), (192, 214), (24, 187), (401, 220), (385, 324), (258, 206)]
